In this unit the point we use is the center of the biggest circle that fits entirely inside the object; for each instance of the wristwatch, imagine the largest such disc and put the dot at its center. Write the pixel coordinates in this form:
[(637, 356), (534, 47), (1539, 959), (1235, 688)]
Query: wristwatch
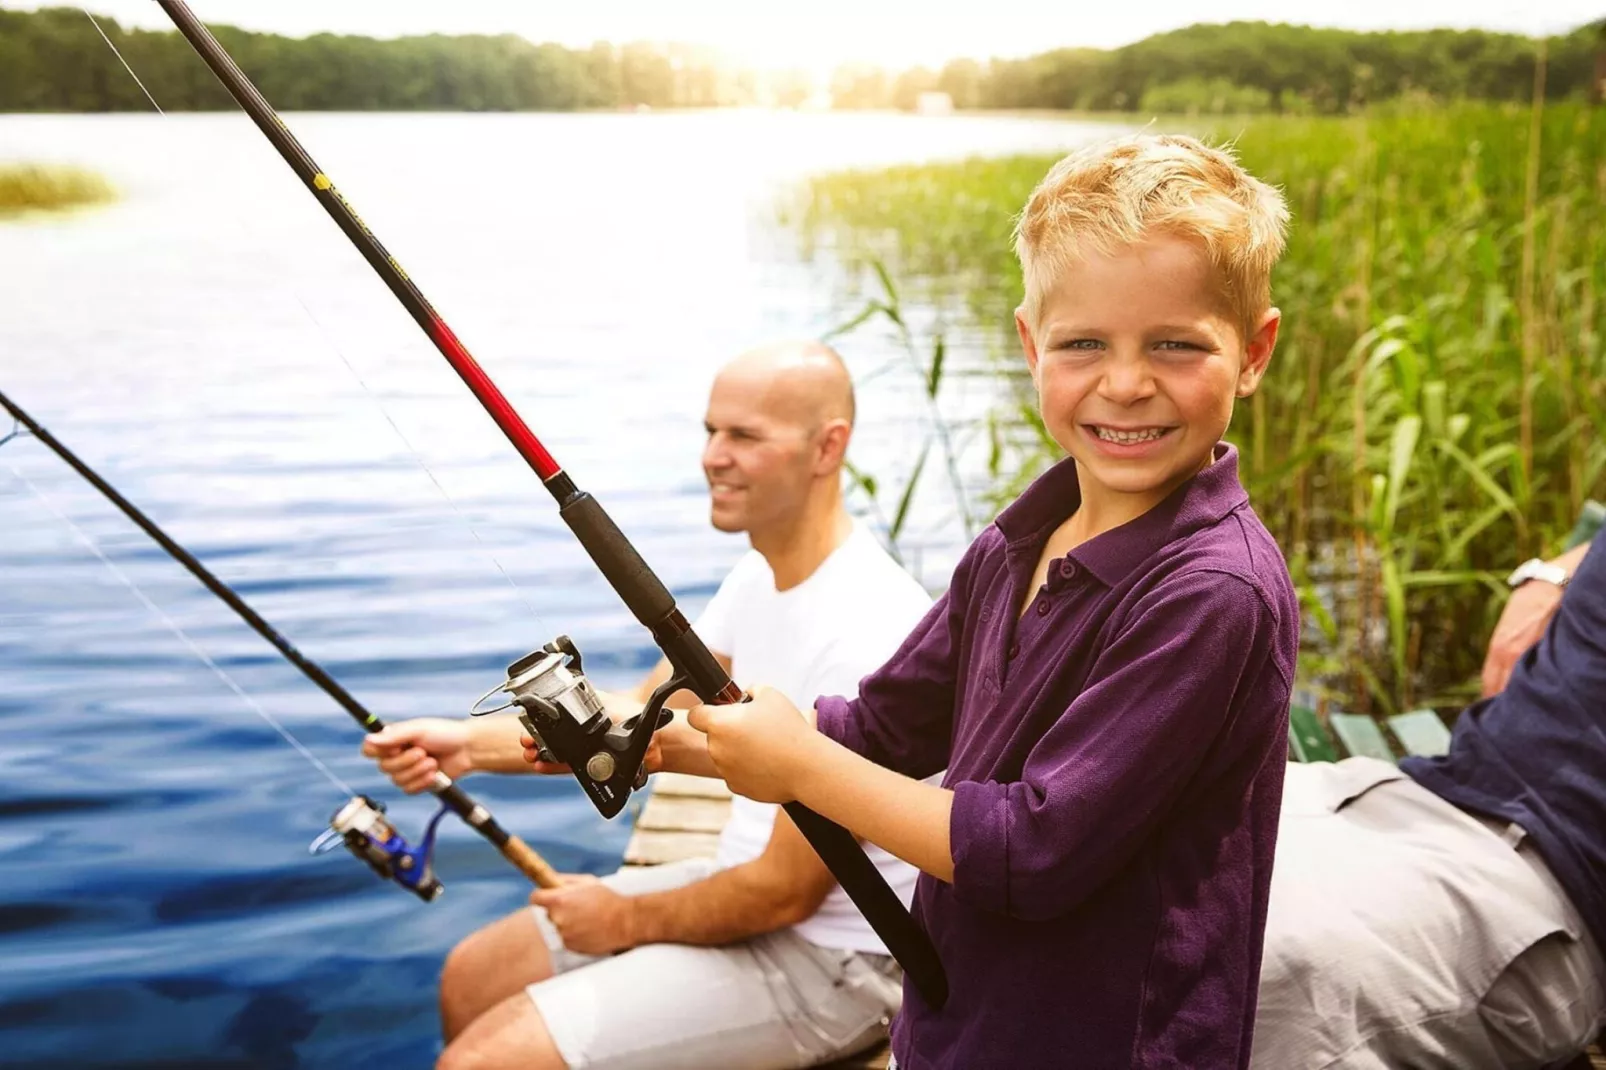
[(1536, 569)]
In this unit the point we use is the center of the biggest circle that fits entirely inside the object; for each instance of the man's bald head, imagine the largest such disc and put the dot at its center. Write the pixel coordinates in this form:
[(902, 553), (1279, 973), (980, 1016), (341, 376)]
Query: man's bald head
[(805, 383), (779, 420)]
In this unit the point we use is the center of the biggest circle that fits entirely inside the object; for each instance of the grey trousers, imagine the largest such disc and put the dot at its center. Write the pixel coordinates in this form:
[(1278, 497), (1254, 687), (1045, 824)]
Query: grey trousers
[(1404, 932)]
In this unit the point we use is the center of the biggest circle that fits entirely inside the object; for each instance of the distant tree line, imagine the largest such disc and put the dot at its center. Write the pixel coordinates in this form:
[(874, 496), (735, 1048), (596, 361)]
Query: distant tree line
[(52, 60), (1260, 66)]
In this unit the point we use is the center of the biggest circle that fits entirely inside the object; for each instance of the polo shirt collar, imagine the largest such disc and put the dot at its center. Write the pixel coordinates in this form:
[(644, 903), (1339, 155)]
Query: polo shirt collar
[(1204, 500)]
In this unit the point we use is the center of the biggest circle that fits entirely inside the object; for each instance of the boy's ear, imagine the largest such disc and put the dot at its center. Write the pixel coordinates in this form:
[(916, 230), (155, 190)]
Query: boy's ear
[(1257, 353), (1028, 344)]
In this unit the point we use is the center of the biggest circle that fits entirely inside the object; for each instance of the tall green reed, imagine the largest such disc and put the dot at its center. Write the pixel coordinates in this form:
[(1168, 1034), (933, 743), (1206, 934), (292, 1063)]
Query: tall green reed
[(1436, 411)]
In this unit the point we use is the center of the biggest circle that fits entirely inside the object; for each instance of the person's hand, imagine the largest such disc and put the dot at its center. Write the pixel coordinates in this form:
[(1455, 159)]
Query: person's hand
[(758, 746), (412, 752), (592, 918), (1522, 622)]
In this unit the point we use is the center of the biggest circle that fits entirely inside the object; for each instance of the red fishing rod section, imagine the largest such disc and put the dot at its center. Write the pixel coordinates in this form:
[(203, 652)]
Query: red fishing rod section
[(640, 588)]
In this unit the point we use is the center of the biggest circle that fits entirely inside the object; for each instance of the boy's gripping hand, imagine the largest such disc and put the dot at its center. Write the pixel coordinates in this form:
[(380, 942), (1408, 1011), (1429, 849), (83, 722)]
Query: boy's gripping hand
[(760, 747)]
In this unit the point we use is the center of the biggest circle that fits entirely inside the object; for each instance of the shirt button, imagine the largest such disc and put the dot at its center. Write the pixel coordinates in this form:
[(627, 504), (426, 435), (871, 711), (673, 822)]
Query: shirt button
[(1014, 649), (1042, 608), (1067, 568)]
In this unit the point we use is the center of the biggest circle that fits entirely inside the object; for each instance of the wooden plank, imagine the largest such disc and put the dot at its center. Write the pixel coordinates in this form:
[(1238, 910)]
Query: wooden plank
[(1360, 735), (701, 787), (684, 813), (1421, 732), (1307, 739), (652, 847)]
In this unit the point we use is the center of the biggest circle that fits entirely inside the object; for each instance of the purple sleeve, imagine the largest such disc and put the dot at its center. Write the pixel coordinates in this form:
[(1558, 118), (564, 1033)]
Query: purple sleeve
[(903, 715), (1094, 787)]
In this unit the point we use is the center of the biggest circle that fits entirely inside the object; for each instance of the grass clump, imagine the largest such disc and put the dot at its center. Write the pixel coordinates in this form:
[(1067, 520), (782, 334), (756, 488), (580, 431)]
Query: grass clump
[(27, 187)]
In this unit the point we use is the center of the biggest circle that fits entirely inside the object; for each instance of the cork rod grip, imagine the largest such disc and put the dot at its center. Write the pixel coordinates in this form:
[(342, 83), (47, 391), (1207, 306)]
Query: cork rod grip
[(530, 863)]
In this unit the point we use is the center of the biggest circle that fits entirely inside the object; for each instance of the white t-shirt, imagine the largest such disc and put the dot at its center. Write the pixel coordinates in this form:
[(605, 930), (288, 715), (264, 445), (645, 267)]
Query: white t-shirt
[(818, 638)]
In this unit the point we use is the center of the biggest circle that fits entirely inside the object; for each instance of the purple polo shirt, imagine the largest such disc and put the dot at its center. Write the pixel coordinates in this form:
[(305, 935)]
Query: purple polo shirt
[(1116, 756)]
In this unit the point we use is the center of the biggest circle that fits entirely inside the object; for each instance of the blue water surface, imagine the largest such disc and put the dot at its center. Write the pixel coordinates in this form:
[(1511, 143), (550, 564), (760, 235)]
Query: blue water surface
[(213, 346)]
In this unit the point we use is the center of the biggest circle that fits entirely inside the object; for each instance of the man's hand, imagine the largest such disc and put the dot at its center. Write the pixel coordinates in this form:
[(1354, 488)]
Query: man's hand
[(1523, 622), (412, 752), (759, 747), (592, 918)]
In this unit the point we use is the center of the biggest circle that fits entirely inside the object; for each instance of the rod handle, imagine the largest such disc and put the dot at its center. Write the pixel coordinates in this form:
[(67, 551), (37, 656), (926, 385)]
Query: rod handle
[(530, 863)]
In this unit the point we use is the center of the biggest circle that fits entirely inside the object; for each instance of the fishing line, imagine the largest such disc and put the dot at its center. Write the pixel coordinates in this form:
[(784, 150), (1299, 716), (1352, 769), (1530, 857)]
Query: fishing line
[(173, 626), (374, 399)]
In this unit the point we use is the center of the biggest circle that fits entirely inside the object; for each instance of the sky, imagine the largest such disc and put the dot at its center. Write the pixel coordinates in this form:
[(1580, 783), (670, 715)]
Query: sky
[(822, 33)]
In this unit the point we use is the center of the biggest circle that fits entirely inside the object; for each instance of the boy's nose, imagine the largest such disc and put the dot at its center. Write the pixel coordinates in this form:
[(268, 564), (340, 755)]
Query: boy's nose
[(1126, 381)]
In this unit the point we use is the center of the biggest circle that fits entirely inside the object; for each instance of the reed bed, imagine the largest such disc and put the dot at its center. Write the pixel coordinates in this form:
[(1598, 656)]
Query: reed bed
[(1437, 409), (28, 187)]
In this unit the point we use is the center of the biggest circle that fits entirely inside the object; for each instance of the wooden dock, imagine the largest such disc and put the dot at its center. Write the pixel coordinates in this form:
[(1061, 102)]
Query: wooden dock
[(682, 819)]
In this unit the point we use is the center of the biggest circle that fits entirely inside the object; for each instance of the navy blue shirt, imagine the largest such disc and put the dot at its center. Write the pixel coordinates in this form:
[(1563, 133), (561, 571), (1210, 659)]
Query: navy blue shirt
[(1536, 753)]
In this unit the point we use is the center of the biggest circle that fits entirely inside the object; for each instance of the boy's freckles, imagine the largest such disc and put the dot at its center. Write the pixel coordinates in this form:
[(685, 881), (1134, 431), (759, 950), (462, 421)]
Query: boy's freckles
[(1136, 359)]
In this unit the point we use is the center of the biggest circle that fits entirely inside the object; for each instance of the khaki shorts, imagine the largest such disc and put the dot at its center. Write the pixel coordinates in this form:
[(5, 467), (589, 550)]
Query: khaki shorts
[(771, 1003), (1405, 932)]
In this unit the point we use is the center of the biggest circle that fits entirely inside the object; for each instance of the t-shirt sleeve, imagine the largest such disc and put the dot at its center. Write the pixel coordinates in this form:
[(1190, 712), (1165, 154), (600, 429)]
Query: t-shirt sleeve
[(716, 625), (902, 713), (1165, 689)]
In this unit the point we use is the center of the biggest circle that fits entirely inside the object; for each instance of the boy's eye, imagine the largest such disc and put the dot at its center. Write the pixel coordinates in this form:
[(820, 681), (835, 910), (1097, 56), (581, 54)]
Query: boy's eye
[(1175, 345), (1079, 343)]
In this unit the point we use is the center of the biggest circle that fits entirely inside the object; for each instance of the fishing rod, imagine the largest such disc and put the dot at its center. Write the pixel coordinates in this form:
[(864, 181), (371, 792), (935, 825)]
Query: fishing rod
[(361, 823), (606, 759)]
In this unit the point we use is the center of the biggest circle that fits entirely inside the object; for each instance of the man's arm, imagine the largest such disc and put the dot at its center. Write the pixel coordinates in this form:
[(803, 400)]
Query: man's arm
[(411, 752), (781, 887), (1524, 619), (680, 700)]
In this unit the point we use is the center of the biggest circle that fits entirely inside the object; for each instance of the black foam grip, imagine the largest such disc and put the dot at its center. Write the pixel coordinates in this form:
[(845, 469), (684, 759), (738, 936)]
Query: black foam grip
[(643, 592)]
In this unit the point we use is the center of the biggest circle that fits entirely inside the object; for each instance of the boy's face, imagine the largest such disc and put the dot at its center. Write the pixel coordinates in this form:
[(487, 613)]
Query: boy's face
[(1137, 359)]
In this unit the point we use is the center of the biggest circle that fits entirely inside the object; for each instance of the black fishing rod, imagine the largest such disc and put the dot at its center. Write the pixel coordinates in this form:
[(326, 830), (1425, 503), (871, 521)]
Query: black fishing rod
[(369, 835), (606, 761)]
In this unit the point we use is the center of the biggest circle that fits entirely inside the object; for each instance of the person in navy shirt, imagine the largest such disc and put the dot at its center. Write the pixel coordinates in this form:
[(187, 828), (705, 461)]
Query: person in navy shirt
[(1107, 677), (1450, 911)]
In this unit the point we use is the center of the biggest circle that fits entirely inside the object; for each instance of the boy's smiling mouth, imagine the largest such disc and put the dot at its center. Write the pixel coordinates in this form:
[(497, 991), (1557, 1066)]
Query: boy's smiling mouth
[(1126, 436)]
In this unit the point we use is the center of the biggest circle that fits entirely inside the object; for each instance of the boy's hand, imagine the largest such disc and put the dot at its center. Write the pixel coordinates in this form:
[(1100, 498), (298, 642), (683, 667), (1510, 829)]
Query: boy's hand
[(592, 918), (412, 752), (760, 746)]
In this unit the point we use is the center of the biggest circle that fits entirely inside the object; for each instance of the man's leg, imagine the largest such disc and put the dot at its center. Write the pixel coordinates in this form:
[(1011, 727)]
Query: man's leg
[(490, 965), (506, 956), (508, 1036), (773, 1003), (1392, 914)]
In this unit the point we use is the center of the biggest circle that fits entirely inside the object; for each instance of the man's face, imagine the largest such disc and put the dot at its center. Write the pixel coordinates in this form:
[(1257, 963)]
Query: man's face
[(1137, 363), (758, 458)]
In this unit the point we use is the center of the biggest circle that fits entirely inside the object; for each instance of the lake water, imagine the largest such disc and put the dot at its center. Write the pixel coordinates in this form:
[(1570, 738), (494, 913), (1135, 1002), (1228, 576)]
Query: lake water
[(219, 352)]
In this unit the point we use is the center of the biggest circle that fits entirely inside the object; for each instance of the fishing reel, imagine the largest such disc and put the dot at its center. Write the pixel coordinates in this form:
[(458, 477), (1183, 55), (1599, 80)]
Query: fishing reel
[(564, 715), (363, 827)]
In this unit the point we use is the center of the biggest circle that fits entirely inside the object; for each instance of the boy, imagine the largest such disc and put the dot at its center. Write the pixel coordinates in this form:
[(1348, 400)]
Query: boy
[(1107, 678)]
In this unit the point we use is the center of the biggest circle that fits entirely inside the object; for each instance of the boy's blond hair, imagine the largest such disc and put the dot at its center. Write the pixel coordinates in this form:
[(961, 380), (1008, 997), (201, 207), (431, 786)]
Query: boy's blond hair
[(1117, 193)]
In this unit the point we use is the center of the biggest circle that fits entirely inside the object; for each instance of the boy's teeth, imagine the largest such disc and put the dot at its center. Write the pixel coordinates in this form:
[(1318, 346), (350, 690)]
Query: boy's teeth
[(1129, 437)]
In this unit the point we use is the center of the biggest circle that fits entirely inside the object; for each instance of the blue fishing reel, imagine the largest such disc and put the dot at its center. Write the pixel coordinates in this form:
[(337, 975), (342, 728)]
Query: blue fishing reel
[(363, 827)]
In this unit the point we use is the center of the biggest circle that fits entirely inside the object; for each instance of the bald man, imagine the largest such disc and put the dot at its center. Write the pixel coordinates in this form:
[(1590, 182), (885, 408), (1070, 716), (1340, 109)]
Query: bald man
[(755, 959)]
